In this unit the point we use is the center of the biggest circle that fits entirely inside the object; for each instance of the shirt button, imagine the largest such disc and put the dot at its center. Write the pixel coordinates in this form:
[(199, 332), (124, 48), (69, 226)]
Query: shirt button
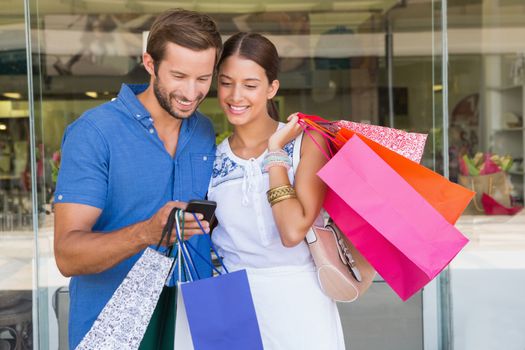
[(150, 119), (137, 115), (151, 131), (205, 158), (60, 197)]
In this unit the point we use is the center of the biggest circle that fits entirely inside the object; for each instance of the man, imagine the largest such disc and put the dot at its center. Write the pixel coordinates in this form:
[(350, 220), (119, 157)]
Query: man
[(128, 162)]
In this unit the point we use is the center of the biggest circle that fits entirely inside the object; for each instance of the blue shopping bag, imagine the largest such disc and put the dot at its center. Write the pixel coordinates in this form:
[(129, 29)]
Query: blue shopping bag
[(219, 310), (221, 314)]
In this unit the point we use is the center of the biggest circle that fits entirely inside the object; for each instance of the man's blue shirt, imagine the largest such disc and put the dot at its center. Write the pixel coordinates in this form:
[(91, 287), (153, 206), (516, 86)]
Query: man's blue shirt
[(113, 159)]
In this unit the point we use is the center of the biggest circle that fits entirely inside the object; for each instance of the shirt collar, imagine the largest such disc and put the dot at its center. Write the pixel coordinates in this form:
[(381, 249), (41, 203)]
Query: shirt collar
[(128, 95)]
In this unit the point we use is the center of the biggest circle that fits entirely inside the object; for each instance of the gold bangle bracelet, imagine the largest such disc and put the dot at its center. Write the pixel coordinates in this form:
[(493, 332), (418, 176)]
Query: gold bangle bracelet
[(279, 191), (282, 198)]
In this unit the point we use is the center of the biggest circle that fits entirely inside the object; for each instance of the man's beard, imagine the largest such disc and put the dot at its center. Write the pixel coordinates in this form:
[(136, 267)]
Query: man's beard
[(164, 100)]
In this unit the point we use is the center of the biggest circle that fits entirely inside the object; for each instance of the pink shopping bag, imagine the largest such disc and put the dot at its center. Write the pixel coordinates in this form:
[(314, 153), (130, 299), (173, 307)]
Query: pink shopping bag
[(406, 240)]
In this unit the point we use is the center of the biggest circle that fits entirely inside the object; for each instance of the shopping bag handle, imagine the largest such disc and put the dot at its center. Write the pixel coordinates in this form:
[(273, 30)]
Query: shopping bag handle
[(306, 123), (472, 187), (184, 245), (166, 232), (314, 118), (174, 218), (307, 132), (313, 123), (211, 243), (320, 125)]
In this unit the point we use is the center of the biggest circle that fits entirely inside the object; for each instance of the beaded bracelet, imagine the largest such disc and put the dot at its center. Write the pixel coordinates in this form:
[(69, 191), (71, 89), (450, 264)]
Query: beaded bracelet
[(276, 158)]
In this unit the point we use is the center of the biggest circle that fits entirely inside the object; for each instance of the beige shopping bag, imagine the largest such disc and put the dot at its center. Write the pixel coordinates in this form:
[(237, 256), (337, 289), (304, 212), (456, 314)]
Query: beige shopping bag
[(495, 185)]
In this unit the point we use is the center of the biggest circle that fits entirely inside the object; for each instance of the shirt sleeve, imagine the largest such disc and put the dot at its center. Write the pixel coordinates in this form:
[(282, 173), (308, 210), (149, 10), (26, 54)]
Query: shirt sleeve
[(83, 174)]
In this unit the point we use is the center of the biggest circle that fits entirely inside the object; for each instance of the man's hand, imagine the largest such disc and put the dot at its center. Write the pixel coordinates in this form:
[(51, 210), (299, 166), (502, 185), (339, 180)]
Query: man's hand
[(153, 227), (79, 250)]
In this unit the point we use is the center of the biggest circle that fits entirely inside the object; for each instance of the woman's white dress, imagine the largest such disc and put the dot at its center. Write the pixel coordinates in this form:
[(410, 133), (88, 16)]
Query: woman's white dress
[(292, 311)]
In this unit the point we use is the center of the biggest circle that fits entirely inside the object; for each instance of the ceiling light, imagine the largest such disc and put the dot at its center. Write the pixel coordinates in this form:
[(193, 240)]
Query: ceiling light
[(14, 95), (3, 127), (437, 88), (92, 94)]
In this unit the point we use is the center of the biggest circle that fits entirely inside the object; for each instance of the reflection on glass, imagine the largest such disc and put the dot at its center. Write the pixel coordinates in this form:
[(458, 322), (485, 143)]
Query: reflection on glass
[(487, 104), (16, 234), (366, 61)]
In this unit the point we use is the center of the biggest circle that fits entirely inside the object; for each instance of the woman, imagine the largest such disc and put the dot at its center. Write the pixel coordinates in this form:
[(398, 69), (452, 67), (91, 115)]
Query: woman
[(264, 233)]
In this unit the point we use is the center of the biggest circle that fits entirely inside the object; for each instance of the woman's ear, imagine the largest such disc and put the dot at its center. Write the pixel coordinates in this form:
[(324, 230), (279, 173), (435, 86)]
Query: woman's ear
[(272, 89)]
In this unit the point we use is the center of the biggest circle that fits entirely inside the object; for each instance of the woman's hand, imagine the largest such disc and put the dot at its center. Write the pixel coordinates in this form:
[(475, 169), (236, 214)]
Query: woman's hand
[(287, 133)]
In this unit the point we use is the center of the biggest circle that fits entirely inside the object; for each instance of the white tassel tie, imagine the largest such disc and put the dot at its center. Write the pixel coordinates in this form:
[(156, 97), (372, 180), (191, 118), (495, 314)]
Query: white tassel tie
[(251, 182)]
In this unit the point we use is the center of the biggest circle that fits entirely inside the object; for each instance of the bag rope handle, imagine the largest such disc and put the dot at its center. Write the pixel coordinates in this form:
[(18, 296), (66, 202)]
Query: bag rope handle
[(184, 245), (307, 132), (186, 259), (476, 204), (166, 231)]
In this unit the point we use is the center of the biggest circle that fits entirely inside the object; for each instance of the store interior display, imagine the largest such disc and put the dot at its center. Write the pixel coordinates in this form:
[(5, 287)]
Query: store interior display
[(487, 175), (505, 103), (15, 194)]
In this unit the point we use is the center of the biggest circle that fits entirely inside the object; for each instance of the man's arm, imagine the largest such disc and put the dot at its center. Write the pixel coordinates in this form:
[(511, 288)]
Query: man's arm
[(79, 250)]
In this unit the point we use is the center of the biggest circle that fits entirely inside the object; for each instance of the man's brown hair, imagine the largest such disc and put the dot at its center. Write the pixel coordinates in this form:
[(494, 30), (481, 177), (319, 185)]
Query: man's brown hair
[(189, 29)]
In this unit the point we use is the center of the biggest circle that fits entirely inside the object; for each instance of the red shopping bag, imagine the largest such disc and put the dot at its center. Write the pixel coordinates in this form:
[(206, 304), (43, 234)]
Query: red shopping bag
[(493, 207), (406, 239)]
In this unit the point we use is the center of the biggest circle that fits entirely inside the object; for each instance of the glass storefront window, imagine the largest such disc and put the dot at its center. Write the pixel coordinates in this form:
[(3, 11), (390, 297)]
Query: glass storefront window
[(17, 243), (365, 61), (487, 101), (373, 61)]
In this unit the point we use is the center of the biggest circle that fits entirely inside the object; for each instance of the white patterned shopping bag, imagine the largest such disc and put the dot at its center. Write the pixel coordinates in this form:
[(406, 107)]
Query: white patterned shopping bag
[(123, 321)]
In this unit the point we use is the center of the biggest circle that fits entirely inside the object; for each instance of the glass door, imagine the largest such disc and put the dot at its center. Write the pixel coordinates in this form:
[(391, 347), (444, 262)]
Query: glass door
[(372, 61), (18, 167)]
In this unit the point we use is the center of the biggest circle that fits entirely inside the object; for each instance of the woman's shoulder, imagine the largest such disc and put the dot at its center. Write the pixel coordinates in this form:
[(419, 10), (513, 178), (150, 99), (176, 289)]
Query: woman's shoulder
[(222, 147), (224, 168)]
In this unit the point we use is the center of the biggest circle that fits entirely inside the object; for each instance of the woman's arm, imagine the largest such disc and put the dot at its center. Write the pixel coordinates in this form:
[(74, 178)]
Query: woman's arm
[(295, 216)]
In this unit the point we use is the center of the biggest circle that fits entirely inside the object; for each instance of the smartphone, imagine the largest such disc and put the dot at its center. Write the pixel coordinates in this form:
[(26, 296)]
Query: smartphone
[(204, 207)]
